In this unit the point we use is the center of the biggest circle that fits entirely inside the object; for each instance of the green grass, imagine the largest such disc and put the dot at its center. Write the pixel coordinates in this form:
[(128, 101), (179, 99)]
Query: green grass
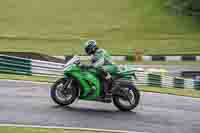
[(173, 91), (41, 130), (26, 78), (58, 28)]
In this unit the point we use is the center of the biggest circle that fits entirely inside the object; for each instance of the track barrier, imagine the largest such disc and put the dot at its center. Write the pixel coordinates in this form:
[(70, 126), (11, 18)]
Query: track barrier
[(24, 66)]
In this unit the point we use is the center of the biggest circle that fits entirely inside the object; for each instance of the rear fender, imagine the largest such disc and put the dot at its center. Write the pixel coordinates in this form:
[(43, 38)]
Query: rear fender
[(117, 90)]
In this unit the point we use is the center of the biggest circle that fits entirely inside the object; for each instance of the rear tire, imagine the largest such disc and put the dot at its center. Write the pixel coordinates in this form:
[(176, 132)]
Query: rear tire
[(55, 90), (136, 94)]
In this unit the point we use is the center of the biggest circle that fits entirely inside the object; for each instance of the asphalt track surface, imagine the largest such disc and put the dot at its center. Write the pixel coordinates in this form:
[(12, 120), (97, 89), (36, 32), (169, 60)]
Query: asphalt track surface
[(29, 103)]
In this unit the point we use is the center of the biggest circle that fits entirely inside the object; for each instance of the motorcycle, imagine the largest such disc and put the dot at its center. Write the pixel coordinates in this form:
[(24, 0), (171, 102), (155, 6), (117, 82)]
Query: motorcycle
[(79, 83)]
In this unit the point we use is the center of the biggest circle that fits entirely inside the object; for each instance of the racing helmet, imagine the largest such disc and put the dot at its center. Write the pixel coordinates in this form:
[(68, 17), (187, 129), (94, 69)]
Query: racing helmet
[(90, 47)]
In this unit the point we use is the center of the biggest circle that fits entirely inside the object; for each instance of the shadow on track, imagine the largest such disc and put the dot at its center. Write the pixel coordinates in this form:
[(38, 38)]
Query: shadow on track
[(99, 112)]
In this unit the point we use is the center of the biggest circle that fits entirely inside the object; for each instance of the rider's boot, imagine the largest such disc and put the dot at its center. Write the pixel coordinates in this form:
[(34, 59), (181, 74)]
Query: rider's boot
[(108, 91), (108, 97)]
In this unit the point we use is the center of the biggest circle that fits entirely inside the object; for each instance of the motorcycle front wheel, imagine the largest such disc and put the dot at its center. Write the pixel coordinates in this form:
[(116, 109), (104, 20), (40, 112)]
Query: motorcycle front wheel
[(63, 92), (129, 99)]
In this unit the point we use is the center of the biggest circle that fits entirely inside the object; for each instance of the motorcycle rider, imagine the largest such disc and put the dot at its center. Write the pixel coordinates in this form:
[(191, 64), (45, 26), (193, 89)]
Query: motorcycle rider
[(102, 61)]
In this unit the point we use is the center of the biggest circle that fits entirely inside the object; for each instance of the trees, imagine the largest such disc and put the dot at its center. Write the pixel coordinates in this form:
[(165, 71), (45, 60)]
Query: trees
[(189, 7)]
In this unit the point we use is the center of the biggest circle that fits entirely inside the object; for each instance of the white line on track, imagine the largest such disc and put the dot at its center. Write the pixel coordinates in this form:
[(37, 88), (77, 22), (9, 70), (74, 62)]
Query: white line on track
[(67, 128), (24, 81)]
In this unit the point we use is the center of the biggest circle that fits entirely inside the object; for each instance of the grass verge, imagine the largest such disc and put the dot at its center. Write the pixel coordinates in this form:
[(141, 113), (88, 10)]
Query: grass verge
[(57, 28), (26, 78), (41, 130), (173, 91)]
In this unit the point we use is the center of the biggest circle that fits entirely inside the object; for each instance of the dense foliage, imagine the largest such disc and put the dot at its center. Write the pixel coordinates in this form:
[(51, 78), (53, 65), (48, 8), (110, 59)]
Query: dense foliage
[(189, 7)]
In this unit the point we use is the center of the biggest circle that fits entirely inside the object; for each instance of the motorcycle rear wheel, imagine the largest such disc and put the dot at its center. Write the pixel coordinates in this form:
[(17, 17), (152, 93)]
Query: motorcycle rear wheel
[(121, 102)]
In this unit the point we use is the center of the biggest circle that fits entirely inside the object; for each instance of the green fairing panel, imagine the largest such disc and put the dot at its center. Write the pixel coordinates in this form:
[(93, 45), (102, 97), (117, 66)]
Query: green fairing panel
[(126, 70), (93, 81), (86, 78), (112, 69)]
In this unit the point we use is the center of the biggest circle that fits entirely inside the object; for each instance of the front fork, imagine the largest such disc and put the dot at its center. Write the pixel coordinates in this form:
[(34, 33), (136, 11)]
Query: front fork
[(66, 87), (67, 84)]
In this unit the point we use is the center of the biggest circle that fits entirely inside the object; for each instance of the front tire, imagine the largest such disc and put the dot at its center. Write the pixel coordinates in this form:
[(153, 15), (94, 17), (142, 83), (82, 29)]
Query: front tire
[(58, 94), (118, 99)]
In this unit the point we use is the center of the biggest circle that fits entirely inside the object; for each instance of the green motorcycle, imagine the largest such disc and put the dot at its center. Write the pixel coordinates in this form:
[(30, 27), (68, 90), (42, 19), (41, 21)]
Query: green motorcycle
[(79, 83)]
